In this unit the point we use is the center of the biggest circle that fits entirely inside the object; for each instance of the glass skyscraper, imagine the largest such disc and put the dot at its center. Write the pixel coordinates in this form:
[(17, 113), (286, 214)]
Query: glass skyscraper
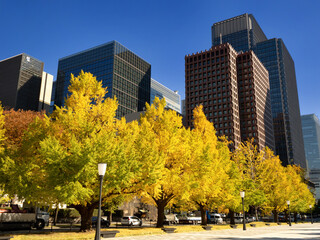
[(23, 83), (126, 75), (243, 33), (172, 97), (311, 137)]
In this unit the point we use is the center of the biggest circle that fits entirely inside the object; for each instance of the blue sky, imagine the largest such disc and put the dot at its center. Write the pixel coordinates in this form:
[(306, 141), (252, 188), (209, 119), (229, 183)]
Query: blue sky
[(161, 32)]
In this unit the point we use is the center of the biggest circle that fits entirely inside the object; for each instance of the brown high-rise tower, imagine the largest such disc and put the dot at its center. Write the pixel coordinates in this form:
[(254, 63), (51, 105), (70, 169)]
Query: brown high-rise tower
[(220, 79), (211, 80), (254, 100)]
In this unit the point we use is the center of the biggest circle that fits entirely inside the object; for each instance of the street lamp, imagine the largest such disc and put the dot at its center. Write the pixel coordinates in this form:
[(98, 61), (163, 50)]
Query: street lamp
[(288, 203), (102, 170), (310, 206), (242, 193)]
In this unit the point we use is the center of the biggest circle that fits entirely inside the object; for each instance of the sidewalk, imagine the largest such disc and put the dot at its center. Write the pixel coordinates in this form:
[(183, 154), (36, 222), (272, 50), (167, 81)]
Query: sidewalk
[(295, 232)]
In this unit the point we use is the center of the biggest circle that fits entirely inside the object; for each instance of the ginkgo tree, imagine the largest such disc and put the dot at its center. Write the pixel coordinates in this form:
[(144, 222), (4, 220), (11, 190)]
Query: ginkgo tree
[(3, 196), (86, 132), (275, 184), (210, 165), (250, 164), (168, 142), (15, 165), (299, 194), (62, 151), (2, 131), (16, 125)]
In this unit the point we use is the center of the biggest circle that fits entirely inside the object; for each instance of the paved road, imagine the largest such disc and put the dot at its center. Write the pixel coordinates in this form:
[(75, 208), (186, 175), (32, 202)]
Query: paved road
[(297, 231)]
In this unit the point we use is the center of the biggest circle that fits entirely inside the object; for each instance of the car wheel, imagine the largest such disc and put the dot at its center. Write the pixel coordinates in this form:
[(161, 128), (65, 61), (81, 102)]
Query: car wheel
[(131, 224), (40, 224), (140, 224)]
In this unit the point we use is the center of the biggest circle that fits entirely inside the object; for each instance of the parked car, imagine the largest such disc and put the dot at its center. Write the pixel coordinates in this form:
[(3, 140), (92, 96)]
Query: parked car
[(251, 219), (282, 218), (131, 221), (238, 219), (216, 218), (104, 222), (170, 219)]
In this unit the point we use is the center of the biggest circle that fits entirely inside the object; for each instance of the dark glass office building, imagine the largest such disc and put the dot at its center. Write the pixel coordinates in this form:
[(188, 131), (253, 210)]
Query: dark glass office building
[(311, 137), (126, 75), (243, 32), (23, 84)]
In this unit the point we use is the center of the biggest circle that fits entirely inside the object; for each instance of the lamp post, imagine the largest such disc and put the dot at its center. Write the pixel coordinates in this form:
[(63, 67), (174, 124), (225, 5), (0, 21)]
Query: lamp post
[(310, 206), (288, 203), (242, 193), (102, 170)]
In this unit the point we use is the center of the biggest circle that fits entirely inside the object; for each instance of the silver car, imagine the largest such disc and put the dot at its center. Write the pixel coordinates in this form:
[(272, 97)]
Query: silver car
[(131, 221)]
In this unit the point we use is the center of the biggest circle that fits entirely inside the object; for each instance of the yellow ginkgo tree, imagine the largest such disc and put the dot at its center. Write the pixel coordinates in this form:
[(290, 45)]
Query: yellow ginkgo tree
[(61, 152), (168, 143), (1, 129), (250, 160), (276, 185), (3, 197), (300, 195), (211, 163)]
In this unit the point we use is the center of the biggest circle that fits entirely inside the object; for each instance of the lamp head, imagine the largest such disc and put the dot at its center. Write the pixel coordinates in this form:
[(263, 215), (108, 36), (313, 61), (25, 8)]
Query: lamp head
[(310, 206), (242, 193), (288, 202), (102, 168)]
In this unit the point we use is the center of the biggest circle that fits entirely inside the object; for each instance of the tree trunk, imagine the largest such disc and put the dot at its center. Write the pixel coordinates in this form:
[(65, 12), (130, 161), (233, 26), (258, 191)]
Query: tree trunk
[(56, 215), (256, 213), (203, 215), (275, 216), (160, 205), (295, 217), (86, 213), (231, 212), (110, 216)]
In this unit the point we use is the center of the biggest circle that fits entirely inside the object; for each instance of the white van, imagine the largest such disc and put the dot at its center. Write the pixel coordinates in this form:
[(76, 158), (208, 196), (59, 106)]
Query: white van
[(216, 218)]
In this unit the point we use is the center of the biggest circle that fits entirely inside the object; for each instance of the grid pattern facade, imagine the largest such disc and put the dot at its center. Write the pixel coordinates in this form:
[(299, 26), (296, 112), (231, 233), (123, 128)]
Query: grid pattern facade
[(254, 100), (211, 80), (311, 137), (20, 81), (242, 32), (125, 75), (172, 97)]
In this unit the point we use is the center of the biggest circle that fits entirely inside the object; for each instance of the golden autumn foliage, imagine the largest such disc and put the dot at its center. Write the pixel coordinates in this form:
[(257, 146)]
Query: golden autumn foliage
[(16, 124), (210, 158), (82, 134), (268, 184), (249, 161), (52, 159), (163, 129), (299, 195), (2, 130), (15, 168)]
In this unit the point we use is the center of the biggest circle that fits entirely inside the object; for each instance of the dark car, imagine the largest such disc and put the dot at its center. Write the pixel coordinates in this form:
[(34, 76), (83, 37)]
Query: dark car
[(104, 222)]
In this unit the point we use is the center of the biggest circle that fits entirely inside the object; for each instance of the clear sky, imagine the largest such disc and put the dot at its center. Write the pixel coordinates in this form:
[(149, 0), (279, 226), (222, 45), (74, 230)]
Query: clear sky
[(162, 32)]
